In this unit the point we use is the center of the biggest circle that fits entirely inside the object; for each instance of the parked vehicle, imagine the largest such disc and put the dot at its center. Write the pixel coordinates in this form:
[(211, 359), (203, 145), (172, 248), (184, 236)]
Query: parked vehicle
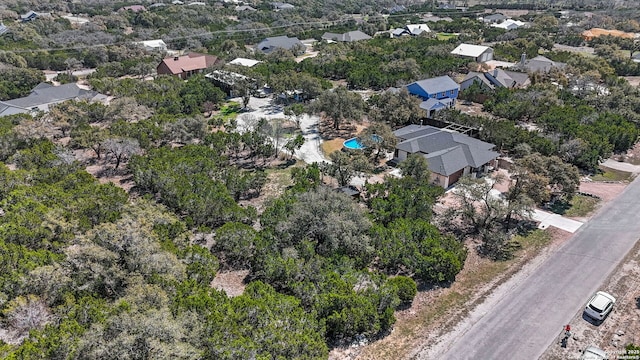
[(600, 305), (594, 353)]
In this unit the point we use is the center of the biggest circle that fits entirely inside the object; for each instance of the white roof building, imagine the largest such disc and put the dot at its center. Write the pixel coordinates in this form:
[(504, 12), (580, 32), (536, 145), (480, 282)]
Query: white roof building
[(153, 45), (509, 24), (478, 52), (417, 29), (244, 62)]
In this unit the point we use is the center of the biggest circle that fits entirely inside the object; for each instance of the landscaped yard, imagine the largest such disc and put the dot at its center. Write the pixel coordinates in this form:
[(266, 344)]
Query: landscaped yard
[(579, 206), (332, 145)]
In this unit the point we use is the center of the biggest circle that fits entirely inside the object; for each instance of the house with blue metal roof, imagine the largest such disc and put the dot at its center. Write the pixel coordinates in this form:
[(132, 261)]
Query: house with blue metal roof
[(438, 93)]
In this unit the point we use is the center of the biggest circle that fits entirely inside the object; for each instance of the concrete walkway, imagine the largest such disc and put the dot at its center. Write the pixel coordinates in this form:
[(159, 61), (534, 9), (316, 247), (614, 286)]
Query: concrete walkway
[(563, 223)]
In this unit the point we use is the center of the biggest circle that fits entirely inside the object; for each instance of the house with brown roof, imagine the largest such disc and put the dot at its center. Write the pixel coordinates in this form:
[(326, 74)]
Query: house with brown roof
[(186, 65)]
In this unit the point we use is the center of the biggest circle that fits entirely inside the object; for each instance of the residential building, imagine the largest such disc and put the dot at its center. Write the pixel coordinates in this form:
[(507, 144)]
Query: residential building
[(134, 8), (277, 6), (32, 15), (478, 53), (496, 78), (538, 64), (438, 93), (509, 24), (450, 155), (410, 29), (244, 8), (270, 44), (350, 36), (3, 28), (397, 9), (493, 18), (417, 29), (226, 80), (153, 45), (44, 95), (187, 65), (244, 62)]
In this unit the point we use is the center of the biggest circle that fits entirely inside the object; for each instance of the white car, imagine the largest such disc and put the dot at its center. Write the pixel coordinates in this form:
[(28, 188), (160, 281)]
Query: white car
[(594, 353), (600, 305)]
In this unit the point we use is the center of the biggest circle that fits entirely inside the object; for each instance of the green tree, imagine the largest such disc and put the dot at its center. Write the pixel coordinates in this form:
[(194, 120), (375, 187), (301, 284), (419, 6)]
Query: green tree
[(339, 105), (416, 166), (395, 108), (345, 166)]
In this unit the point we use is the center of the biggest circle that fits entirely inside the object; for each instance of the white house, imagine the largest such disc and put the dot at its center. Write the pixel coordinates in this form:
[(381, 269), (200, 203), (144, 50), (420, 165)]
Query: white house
[(244, 62), (153, 45), (509, 24), (479, 53)]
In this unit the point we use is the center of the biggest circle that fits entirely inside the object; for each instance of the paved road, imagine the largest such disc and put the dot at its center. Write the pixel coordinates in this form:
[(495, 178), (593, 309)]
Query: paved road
[(529, 318)]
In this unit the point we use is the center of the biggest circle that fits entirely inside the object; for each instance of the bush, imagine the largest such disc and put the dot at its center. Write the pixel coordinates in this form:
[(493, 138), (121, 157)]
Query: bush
[(405, 287)]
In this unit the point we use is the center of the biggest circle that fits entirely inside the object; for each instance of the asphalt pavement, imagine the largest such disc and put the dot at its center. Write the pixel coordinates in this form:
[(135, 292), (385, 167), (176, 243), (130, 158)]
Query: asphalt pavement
[(530, 316)]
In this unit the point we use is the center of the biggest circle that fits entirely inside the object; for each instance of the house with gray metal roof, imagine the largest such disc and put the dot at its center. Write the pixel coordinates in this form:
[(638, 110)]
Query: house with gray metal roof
[(496, 78), (450, 155), (44, 95), (32, 15), (277, 6), (3, 28), (538, 64), (270, 44), (350, 36), (438, 93), (8, 109), (493, 18)]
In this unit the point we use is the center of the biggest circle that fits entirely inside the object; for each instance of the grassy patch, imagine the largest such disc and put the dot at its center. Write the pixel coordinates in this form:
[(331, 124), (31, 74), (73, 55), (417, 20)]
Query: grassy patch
[(582, 205), (609, 174), (331, 145), (228, 111), (445, 36), (536, 239), (281, 178)]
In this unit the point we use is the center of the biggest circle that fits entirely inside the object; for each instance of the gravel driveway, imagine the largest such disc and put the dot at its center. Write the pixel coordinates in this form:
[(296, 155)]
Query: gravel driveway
[(310, 151)]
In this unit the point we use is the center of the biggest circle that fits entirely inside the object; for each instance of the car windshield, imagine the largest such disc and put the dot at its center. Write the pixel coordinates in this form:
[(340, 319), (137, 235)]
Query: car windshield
[(595, 308)]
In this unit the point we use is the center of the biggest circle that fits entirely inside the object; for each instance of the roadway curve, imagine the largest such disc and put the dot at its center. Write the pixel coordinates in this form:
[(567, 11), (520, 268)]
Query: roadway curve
[(526, 320)]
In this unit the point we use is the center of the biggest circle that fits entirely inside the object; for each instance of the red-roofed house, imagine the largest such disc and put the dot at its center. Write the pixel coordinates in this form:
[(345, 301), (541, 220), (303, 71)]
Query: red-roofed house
[(187, 65)]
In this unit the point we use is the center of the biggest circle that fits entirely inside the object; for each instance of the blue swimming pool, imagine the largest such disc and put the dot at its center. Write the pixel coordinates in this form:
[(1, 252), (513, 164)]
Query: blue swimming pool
[(355, 144)]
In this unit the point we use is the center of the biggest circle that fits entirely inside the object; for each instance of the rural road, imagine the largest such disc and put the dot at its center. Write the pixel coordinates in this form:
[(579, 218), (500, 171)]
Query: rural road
[(529, 318)]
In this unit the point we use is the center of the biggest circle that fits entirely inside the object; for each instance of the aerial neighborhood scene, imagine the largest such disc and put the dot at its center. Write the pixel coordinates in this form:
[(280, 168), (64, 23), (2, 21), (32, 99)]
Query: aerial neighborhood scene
[(365, 179)]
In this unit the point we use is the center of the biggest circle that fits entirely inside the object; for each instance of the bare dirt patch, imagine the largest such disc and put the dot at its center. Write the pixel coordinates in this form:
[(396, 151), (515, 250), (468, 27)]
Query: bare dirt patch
[(231, 282), (605, 191)]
